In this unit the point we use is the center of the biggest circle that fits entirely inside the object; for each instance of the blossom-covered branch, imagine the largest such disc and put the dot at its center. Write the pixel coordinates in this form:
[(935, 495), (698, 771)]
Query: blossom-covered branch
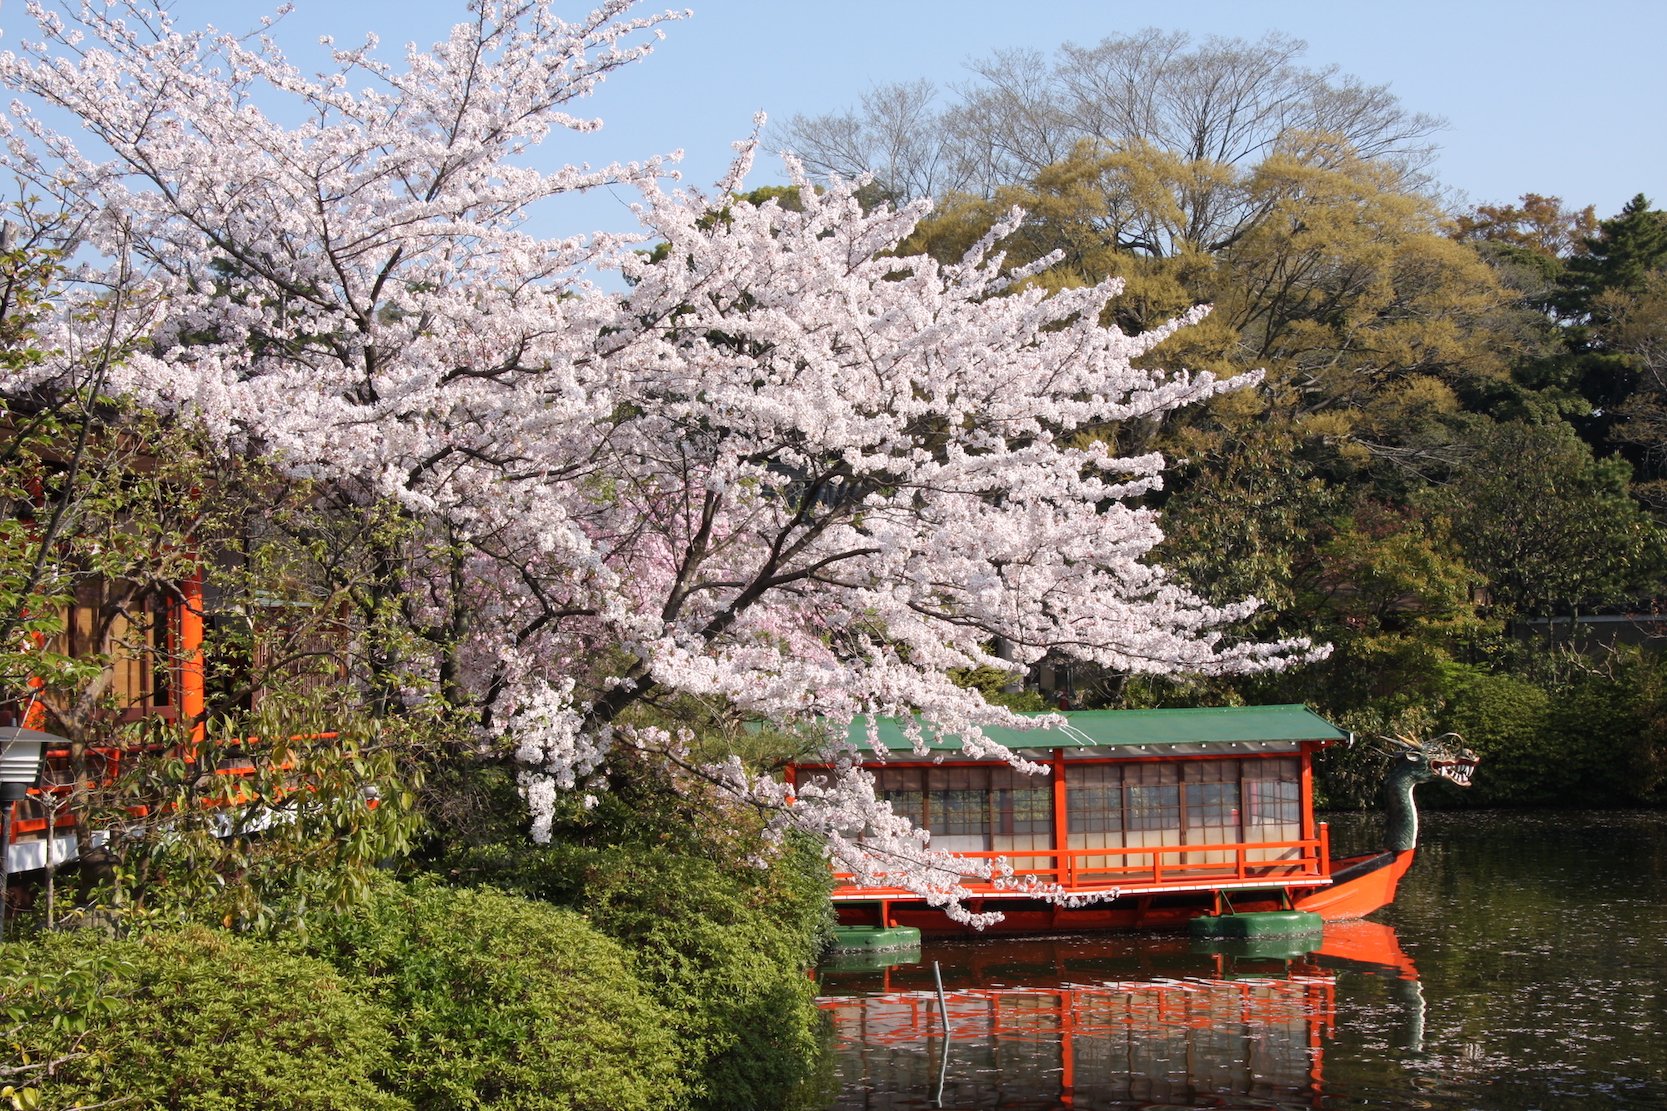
[(786, 469)]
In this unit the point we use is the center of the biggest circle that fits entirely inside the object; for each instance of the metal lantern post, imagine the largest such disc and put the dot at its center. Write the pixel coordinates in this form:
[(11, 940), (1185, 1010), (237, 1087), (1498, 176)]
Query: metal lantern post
[(22, 753)]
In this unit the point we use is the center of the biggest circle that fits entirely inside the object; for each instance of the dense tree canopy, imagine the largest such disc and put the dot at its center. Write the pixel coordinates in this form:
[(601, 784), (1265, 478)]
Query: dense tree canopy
[(1434, 382)]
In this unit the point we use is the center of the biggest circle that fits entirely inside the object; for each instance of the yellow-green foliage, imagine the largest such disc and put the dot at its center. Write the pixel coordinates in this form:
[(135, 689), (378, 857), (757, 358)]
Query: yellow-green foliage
[(723, 947), (1504, 720), (197, 1020), (503, 1002)]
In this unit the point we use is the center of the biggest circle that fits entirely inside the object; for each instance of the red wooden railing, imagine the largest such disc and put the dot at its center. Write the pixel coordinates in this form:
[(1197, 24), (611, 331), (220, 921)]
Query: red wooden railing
[(1155, 867), (110, 760)]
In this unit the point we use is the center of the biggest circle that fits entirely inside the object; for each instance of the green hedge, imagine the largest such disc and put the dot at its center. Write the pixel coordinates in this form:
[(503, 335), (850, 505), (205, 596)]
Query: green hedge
[(1608, 728), (436, 998), (196, 1021), (724, 948), (1504, 720), (1592, 737), (729, 959), (1591, 732), (498, 1001)]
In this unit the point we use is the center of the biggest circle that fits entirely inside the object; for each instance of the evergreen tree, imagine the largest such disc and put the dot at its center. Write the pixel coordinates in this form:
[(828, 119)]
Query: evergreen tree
[(1626, 249), (1585, 299)]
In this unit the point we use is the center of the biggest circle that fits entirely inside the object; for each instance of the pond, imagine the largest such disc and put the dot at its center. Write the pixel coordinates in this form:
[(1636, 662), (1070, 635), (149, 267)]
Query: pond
[(1523, 967)]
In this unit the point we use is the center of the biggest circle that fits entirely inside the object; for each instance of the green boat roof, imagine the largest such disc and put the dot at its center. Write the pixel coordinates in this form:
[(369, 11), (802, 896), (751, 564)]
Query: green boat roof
[(1123, 728)]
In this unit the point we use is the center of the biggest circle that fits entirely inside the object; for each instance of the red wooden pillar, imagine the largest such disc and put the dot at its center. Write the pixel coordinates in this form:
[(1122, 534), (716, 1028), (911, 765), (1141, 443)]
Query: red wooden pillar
[(1307, 793), (192, 687), (1063, 872), (1308, 805), (34, 714)]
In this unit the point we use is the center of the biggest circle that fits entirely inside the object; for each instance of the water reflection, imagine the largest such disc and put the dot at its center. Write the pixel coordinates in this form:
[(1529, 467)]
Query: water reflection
[(1101, 1022), (1540, 985)]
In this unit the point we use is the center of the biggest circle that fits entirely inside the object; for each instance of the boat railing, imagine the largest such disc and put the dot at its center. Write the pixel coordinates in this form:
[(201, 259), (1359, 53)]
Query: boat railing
[(1131, 868)]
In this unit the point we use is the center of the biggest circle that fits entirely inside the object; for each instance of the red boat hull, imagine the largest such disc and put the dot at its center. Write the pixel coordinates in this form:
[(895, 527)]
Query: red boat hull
[(1360, 885)]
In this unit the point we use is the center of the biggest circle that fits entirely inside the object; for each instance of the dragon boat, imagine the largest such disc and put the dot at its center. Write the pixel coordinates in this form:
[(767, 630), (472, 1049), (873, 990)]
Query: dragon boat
[(1146, 819)]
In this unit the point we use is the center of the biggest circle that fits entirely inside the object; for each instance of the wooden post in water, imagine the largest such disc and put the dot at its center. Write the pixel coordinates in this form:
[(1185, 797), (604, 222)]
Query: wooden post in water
[(943, 1017)]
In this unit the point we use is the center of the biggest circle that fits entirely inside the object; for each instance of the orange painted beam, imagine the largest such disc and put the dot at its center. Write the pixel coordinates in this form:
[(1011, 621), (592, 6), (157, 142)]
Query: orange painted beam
[(1307, 793), (1061, 819), (192, 684)]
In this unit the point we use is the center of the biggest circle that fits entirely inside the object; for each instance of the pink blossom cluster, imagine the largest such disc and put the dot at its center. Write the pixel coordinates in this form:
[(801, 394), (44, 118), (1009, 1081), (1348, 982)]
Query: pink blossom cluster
[(787, 470)]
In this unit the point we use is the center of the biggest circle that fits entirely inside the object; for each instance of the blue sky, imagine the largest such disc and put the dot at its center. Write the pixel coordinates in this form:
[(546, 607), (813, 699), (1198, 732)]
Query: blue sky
[(1539, 98)]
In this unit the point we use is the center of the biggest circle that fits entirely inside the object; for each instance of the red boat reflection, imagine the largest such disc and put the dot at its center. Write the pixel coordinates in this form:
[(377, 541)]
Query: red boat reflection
[(1099, 1022)]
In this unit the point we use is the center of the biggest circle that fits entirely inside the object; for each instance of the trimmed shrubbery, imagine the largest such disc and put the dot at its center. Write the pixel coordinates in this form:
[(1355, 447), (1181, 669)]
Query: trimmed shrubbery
[(723, 950), (682, 987), (719, 923), (197, 1020), (727, 958), (500, 1001)]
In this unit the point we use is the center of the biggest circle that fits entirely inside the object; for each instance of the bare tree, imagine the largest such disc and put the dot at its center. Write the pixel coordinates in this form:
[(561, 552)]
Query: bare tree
[(1013, 123), (1227, 100), (896, 135), (1221, 100)]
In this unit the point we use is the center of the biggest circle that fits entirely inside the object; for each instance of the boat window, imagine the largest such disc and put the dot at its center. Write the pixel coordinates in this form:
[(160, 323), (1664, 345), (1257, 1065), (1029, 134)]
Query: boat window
[(1023, 805), (972, 809), (1154, 796), (1094, 798), (1273, 791), (1194, 802), (958, 803), (902, 788), (1213, 798), (1120, 804)]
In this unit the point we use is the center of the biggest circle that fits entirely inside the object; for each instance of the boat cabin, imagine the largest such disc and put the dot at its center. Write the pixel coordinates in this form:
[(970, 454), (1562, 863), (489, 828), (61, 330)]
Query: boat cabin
[(1160, 814)]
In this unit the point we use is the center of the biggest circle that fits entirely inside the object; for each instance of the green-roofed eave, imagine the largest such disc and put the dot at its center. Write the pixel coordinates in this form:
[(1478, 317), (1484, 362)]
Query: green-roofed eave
[(1137, 728)]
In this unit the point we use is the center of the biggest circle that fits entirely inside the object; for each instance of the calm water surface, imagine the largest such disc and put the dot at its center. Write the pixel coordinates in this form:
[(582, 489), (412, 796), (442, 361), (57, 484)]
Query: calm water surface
[(1522, 968)]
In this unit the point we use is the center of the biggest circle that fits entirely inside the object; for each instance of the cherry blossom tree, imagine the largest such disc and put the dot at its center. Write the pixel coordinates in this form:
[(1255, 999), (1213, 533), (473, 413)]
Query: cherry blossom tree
[(785, 469)]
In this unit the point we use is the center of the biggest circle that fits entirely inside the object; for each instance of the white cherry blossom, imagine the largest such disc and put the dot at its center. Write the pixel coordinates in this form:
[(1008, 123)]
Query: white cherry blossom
[(786, 469)]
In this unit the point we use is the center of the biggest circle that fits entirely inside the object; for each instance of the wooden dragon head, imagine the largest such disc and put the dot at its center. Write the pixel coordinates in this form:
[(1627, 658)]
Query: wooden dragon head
[(1444, 757)]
